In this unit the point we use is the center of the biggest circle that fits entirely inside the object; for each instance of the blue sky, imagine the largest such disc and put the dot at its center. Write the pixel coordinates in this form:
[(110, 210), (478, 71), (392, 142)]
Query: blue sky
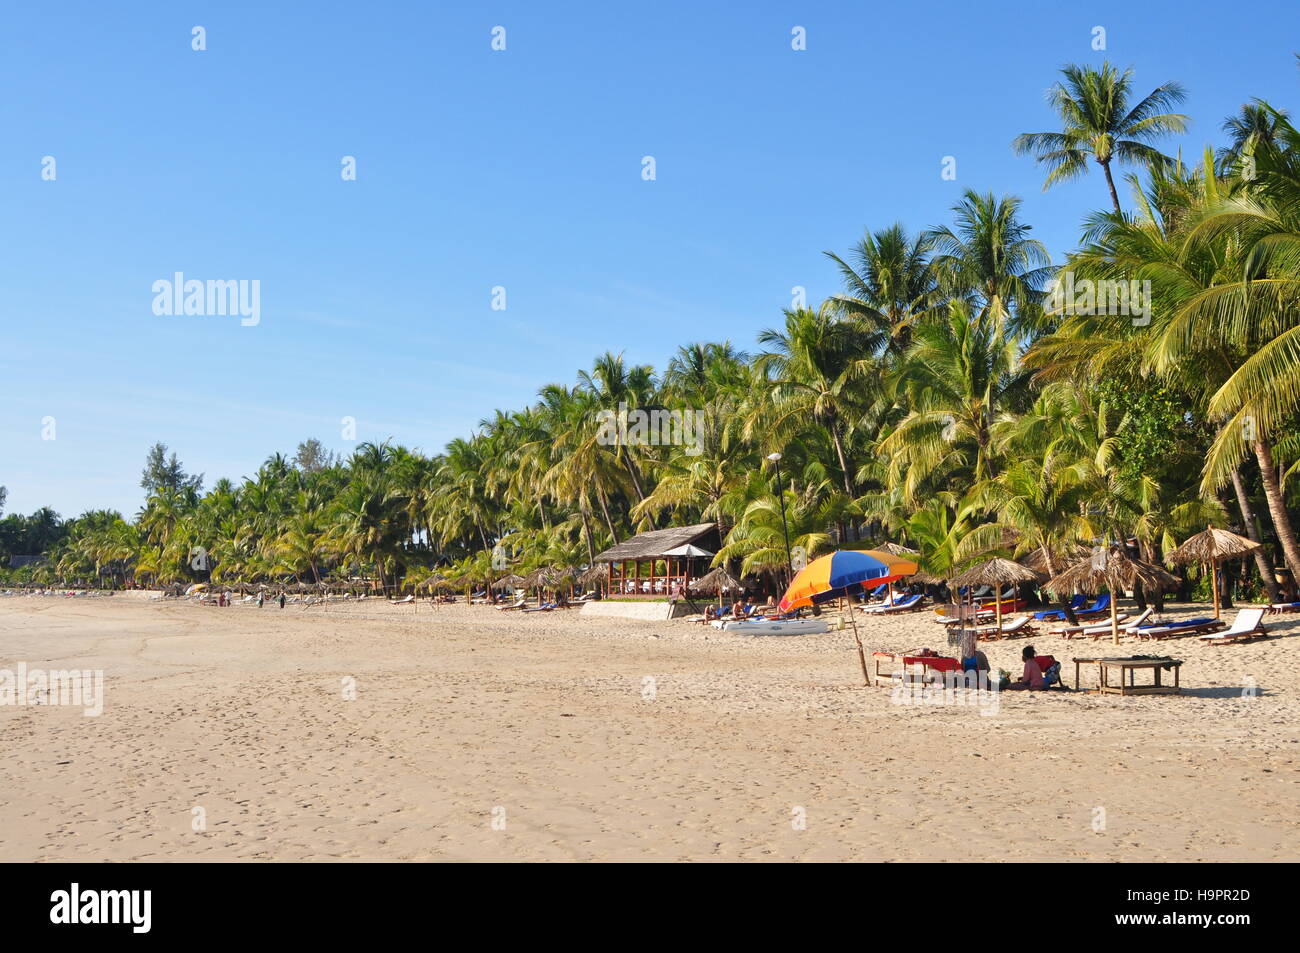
[(476, 169)]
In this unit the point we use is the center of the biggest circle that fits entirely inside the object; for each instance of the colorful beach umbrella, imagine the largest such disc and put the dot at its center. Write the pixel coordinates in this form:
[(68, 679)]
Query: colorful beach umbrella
[(844, 573)]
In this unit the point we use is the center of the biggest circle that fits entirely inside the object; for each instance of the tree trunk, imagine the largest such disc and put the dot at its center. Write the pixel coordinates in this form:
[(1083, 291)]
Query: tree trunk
[(1110, 182), (844, 463), (1065, 601), (586, 532), (609, 523), (1277, 509), (1252, 532)]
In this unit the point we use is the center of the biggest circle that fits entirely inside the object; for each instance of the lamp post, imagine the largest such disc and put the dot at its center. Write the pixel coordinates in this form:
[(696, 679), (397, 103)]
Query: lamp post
[(785, 528)]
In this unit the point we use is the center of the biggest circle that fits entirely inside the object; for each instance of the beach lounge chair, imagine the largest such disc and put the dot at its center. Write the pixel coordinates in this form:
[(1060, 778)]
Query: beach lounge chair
[(1174, 630), (1099, 606), (517, 605), (1087, 628), (910, 604), (898, 605), (1022, 625), (401, 602), (1247, 627), (1058, 615), (1101, 627)]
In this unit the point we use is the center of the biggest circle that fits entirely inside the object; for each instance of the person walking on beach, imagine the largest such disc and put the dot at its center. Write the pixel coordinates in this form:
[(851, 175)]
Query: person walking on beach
[(261, 598), (282, 600)]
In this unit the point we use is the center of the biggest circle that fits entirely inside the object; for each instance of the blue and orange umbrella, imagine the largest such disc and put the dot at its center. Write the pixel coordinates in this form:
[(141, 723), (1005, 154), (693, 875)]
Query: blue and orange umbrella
[(844, 573)]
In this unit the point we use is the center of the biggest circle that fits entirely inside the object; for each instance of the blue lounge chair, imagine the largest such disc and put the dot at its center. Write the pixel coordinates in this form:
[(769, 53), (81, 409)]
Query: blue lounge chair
[(1058, 615), (1100, 605), (902, 605)]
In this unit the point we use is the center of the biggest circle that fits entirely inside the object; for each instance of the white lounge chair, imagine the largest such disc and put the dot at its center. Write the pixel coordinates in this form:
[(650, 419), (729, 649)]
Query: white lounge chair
[(1248, 625), (1009, 627), (1097, 629)]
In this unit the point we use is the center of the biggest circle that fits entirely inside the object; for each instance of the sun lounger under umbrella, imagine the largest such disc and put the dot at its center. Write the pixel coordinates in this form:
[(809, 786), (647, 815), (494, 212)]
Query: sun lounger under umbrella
[(1210, 548), (1116, 570), (996, 572)]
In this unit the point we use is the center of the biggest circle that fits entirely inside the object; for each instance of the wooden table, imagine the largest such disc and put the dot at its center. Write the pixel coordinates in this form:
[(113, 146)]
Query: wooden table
[(1129, 666)]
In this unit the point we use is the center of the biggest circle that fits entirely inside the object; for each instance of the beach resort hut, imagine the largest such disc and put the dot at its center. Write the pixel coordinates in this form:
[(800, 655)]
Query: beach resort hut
[(652, 565), (1210, 548)]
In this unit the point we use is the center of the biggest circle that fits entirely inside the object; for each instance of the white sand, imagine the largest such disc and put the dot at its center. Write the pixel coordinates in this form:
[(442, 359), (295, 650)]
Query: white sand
[(463, 713)]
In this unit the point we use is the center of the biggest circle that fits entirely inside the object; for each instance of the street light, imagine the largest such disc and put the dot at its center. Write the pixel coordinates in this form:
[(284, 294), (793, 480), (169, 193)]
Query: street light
[(785, 529)]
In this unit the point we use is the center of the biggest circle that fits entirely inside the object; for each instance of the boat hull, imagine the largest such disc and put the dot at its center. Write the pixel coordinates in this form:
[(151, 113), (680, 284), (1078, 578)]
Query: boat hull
[(775, 627)]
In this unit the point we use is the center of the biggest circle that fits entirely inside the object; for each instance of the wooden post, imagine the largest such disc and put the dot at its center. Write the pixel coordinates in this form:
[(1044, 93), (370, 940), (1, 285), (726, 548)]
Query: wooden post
[(1114, 617), (862, 658), (1214, 584)]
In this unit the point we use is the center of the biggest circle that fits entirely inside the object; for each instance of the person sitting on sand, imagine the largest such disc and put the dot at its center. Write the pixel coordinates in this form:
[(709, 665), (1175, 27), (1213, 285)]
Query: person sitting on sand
[(1033, 677)]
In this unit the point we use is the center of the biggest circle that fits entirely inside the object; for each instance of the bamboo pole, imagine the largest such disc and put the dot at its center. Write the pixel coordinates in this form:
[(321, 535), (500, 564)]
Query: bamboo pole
[(862, 658), (1114, 614)]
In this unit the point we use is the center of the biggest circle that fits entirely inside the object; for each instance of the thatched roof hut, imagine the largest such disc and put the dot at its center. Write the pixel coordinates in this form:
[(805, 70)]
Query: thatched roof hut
[(896, 549), (996, 572), (716, 581), (1213, 545), (1065, 556), (1116, 570), (656, 543), (1210, 548)]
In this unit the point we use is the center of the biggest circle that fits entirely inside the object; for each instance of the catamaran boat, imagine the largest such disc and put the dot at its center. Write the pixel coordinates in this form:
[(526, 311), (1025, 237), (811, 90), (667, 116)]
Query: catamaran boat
[(773, 626)]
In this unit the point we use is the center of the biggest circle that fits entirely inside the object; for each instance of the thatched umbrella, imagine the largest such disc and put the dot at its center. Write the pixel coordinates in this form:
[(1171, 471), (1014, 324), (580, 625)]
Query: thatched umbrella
[(896, 549), (598, 573), (1037, 560), (537, 577), (1210, 548), (718, 581), (513, 580), (1115, 569), (996, 572)]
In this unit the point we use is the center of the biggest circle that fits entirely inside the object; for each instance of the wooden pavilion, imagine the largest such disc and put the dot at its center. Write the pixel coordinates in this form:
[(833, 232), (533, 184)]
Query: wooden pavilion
[(647, 567)]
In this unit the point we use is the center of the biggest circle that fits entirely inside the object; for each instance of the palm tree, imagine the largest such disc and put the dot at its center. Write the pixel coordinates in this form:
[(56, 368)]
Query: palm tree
[(990, 261), (889, 286), (1098, 123), (958, 377), (817, 369), (1255, 123)]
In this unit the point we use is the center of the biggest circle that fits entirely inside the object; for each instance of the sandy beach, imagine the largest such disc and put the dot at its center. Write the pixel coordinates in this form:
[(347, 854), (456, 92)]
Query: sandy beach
[(484, 736)]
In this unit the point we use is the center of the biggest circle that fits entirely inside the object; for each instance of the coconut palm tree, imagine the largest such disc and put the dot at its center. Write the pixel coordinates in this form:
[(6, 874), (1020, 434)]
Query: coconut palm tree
[(889, 285), (1098, 123), (988, 260), (815, 370)]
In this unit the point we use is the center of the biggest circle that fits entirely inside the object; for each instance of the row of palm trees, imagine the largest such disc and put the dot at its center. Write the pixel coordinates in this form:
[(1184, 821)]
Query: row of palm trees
[(943, 399)]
